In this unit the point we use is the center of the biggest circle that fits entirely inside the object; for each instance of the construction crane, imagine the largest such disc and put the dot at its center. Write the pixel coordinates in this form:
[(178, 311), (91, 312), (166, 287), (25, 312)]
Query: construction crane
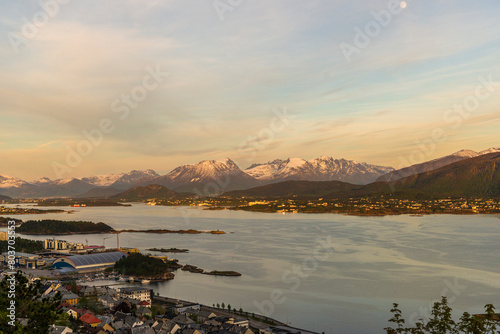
[(103, 242), (117, 239)]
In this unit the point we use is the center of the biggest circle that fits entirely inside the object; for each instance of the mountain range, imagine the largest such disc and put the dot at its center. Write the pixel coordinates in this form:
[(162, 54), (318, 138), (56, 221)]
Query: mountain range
[(320, 169), (213, 177), (434, 164), (477, 177), (71, 187)]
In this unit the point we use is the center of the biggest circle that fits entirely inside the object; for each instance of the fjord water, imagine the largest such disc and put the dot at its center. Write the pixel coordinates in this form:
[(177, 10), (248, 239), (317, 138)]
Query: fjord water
[(328, 273)]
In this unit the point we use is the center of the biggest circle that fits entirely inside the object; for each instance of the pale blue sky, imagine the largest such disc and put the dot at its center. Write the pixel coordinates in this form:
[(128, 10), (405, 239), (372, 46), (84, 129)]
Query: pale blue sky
[(227, 76)]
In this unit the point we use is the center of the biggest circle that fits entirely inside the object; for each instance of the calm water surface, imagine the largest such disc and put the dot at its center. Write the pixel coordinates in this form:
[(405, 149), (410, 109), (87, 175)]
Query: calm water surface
[(328, 273)]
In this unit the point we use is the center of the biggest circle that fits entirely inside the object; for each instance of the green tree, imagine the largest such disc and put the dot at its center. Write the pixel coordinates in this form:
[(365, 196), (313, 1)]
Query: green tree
[(218, 306), (223, 305), (491, 324), (441, 321), (397, 319), (92, 303), (41, 312), (74, 287), (470, 324), (229, 307)]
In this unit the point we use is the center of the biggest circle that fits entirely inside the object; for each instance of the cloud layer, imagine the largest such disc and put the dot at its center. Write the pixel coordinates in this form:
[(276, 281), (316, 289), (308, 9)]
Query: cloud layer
[(227, 76)]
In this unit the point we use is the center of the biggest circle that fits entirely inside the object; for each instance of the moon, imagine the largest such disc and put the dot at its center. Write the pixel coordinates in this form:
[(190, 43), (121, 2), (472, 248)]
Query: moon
[(403, 4)]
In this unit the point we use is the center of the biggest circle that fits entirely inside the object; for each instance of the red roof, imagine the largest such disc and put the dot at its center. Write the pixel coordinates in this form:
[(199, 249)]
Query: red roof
[(90, 319), (82, 311), (143, 303), (78, 288)]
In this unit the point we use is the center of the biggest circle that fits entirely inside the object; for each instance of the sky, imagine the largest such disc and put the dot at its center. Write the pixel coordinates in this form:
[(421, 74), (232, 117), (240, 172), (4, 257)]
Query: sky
[(98, 87)]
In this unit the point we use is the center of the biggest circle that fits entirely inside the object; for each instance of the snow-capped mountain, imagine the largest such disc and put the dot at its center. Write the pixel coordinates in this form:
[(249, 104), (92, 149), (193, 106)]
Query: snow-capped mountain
[(43, 180), (434, 164), (210, 177), (127, 180), (490, 150), (11, 182), (46, 187), (320, 169), (207, 177)]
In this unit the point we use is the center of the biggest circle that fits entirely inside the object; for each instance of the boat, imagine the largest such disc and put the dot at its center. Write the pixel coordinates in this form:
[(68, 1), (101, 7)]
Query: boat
[(130, 279), (145, 281)]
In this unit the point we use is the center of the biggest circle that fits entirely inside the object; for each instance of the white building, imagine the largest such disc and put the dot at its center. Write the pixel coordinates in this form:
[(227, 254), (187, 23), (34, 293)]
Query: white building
[(141, 294), (61, 245)]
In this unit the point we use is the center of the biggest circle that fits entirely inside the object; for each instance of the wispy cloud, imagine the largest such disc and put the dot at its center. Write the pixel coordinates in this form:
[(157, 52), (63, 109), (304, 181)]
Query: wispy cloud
[(227, 76)]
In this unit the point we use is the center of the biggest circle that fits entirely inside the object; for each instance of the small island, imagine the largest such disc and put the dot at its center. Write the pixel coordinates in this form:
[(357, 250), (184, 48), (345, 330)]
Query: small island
[(76, 203), (144, 267), (163, 231), (4, 221), (222, 273), (196, 270), (168, 250), (60, 227), (25, 211)]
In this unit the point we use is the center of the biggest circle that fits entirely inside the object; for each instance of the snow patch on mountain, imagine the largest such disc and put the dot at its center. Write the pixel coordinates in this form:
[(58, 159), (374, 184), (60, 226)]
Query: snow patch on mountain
[(11, 182), (490, 150), (41, 181), (323, 168)]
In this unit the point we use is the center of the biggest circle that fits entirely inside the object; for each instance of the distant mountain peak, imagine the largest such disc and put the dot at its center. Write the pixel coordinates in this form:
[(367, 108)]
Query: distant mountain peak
[(466, 153), (323, 168), (434, 164), (42, 180), (7, 181)]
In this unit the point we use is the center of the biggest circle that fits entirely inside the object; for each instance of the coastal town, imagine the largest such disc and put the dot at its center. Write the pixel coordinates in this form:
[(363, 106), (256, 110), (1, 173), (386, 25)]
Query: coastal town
[(361, 206), (66, 275), (81, 308)]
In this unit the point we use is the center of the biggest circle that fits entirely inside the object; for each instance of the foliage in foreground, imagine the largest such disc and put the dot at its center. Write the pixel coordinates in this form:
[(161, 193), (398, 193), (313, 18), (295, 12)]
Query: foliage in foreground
[(441, 321), (29, 304)]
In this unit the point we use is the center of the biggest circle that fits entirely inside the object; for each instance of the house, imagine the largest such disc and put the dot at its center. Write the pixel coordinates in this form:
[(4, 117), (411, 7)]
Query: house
[(201, 315), (143, 311), (71, 311), (183, 321), (133, 321), (168, 326), (212, 322), (181, 308), (140, 294), (233, 321), (87, 291), (108, 301), (190, 331), (90, 319), (107, 328), (70, 298), (120, 316), (142, 330), (82, 311), (59, 330), (120, 325), (66, 296), (105, 319)]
